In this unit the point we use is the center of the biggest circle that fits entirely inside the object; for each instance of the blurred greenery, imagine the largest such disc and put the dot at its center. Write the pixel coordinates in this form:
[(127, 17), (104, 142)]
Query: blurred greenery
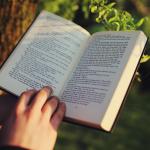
[(65, 8)]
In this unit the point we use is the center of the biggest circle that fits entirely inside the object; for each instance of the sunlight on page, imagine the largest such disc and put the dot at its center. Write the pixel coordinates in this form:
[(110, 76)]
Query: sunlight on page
[(45, 55)]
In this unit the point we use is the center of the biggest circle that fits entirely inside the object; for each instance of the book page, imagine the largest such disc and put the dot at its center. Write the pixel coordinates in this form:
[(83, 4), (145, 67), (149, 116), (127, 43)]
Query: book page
[(45, 55), (90, 89)]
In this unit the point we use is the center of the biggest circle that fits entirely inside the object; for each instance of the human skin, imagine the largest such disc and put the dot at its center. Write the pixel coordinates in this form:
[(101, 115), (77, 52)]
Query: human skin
[(34, 122)]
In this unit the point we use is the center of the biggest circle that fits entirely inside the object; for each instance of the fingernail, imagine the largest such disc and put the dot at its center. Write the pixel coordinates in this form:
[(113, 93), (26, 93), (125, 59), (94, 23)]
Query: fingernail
[(33, 89), (54, 98), (49, 88)]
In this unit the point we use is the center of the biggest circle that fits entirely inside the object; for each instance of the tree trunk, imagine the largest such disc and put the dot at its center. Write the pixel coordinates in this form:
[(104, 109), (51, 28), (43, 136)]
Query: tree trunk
[(15, 17)]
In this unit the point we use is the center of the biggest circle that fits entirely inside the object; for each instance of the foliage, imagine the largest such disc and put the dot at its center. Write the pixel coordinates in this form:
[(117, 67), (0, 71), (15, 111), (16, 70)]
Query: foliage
[(145, 58), (115, 19), (66, 8)]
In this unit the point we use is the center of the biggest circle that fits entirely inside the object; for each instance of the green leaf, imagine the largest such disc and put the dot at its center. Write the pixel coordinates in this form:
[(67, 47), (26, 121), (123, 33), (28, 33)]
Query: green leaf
[(115, 17), (98, 20), (117, 26), (93, 9), (101, 13), (145, 58), (111, 5), (140, 22)]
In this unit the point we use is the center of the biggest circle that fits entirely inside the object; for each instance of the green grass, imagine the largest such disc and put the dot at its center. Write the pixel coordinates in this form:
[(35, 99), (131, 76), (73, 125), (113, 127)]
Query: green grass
[(131, 132)]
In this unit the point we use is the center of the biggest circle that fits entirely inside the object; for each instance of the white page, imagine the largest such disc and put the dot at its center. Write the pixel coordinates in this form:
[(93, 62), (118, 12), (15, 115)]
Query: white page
[(44, 56), (95, 79)]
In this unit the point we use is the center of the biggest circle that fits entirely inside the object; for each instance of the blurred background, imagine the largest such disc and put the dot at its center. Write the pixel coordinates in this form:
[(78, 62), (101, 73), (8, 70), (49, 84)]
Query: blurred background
[(132, 130)]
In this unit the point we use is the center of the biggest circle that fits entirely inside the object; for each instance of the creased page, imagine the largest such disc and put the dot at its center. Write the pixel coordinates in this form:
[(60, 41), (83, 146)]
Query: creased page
[(44, 56)]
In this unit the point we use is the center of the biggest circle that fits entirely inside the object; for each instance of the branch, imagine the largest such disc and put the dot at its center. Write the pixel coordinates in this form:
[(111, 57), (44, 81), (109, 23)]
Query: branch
[(144, 10)]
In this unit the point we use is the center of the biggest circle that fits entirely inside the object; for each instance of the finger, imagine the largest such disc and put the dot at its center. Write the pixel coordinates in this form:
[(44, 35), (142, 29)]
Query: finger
[(58, 116), (49, 108), (41, 98), (24, 99)]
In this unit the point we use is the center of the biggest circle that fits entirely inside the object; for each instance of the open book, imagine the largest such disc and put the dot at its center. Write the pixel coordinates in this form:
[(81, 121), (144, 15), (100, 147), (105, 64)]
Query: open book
[(90, 73)]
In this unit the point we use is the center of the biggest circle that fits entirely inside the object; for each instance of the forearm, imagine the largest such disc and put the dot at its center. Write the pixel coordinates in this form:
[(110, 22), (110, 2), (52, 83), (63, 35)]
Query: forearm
[(11, 148), (7, 103)]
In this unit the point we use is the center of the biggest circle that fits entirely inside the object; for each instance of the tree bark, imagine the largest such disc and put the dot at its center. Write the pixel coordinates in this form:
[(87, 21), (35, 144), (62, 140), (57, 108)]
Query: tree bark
[(15, 17)]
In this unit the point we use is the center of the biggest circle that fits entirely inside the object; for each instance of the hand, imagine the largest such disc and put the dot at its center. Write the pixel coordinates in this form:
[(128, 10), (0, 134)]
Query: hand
[(34, 121)]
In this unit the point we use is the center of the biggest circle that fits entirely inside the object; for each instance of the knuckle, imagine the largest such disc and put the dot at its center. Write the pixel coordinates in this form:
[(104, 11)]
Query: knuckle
[(31, 114), (30, 111)]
